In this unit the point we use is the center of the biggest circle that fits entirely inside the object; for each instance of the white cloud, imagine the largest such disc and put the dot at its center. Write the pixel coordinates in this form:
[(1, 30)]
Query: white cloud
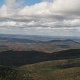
[(10, 8), (57, 7), (46, 15)]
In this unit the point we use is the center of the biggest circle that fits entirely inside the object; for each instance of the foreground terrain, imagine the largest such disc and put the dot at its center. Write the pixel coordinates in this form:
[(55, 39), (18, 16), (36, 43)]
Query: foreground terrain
[(66, 66), (54, 70), (51, 70)]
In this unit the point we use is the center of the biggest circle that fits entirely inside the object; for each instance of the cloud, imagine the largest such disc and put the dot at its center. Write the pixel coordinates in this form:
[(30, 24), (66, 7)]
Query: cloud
[(46, 15), (9, 9), (56, 7)]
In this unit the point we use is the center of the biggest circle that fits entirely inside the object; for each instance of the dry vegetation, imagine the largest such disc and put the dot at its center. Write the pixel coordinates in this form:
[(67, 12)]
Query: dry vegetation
[(43, 47), (53, 70)]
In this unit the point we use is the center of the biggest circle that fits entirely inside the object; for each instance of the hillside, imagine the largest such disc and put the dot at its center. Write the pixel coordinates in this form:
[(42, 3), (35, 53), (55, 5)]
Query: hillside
[(63, 65), (53, 70), (67, 69), (19, 58)]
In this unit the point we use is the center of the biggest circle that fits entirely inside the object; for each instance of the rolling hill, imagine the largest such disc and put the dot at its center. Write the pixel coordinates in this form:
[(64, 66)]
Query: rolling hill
[(33, 65), (19, 58)]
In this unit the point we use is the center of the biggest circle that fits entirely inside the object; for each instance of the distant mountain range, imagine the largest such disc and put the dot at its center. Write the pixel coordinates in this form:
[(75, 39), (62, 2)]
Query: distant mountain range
[(38, 37), (22, 40)]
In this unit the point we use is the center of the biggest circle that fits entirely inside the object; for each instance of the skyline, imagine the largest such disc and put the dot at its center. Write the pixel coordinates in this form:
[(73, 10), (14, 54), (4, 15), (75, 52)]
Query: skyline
[(40, 17)]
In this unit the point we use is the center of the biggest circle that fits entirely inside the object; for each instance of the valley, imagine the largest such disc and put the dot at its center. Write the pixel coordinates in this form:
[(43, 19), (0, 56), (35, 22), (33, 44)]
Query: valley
[(42, 44)]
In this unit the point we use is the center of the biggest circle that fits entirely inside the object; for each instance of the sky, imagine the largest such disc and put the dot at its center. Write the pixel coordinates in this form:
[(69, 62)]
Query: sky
[(40, 17)]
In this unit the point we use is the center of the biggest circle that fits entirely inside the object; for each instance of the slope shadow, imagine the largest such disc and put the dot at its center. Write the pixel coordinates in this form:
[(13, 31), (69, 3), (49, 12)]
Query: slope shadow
[(19, 58)]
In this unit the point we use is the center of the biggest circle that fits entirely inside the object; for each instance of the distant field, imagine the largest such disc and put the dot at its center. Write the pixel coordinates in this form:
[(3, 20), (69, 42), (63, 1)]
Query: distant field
[(37, 43), (43, 47)]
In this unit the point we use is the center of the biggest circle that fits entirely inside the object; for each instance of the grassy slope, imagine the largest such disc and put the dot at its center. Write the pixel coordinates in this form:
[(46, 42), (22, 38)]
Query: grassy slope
[(53, 70), (49, 70), (65, 69)]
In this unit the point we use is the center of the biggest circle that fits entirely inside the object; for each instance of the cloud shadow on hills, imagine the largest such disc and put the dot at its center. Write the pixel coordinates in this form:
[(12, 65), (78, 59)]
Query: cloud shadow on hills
[(19, 58)]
